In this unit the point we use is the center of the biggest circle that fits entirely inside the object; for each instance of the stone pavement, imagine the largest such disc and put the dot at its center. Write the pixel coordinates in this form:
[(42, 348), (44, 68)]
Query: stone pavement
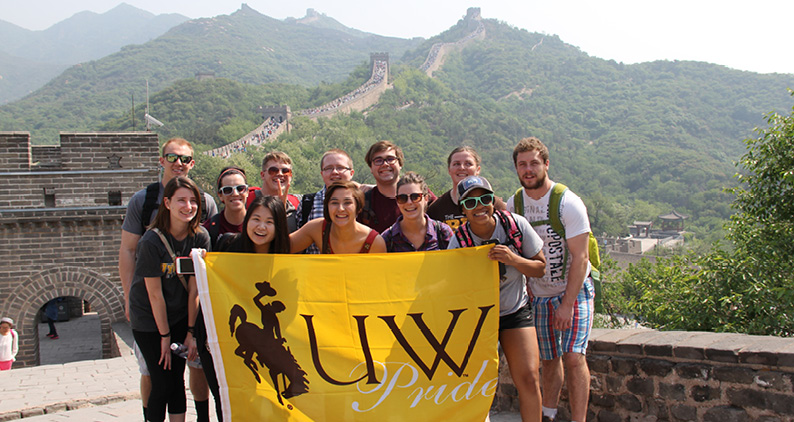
[(76, 385)]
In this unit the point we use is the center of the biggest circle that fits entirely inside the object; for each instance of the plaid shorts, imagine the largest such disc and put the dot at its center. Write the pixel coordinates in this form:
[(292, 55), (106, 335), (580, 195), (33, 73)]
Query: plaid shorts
[(573, 340)]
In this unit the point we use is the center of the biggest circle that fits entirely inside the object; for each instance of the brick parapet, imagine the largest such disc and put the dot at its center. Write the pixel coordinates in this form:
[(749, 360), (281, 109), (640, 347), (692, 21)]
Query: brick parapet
[(683, 376)]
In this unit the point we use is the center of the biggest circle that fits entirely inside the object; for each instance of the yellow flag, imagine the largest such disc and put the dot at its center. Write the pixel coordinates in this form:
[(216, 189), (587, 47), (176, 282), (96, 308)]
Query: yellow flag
[(362, 337)]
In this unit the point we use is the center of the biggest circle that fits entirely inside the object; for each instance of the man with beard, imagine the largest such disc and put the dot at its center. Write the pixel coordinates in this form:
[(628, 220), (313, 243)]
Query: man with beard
[(563, 298)]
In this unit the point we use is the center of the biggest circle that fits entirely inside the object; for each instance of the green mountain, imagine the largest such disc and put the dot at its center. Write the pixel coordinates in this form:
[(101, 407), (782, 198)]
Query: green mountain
[(245, 46), (29, 59)]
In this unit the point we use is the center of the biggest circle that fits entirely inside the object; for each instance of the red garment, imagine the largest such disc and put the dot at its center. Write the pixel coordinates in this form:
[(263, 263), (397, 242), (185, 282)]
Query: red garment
[(364, 248)]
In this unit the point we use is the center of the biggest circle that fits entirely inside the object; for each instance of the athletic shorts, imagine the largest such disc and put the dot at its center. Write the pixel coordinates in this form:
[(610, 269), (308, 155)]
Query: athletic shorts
[(554, 343), (142, 368), (519, 319)]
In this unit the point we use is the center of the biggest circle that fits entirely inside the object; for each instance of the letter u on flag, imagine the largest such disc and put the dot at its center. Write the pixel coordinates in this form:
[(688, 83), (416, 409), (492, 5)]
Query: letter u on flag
[(364, 337)]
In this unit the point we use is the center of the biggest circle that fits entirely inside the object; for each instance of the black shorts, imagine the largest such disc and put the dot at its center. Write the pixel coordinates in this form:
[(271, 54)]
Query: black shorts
[(523, 317)]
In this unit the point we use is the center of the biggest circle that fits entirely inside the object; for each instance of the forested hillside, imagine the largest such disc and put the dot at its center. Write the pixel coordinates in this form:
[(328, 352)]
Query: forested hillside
[(634, 141), (245, 46)]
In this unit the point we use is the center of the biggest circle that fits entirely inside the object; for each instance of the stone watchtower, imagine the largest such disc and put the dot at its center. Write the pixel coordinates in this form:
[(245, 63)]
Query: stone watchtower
[(377, 57), (61, 209)]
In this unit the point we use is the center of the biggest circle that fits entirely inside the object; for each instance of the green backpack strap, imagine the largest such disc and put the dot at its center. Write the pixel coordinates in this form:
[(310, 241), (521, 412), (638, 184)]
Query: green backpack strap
[(518, 201)]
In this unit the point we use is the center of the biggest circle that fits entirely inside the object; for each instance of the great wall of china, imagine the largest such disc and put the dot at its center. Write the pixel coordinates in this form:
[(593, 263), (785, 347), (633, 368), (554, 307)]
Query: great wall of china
[(61, 209)]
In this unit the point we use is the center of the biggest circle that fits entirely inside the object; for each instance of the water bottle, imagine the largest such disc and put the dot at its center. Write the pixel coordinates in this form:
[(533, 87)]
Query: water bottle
[(179, 349)]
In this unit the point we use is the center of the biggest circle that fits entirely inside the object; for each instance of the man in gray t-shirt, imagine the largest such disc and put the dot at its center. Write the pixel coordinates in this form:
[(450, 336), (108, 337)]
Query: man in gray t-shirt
[(177, 160)]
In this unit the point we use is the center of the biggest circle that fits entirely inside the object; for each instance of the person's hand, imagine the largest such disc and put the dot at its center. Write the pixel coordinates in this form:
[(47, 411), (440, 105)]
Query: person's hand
[(165, 352), (283, 191), (563, 316), (503, 254), (203, 253), (192, 347)]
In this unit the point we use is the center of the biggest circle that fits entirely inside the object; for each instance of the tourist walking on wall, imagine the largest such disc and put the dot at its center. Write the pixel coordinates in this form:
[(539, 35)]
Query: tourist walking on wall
[(51, 313), (163, 305), (9, 343)]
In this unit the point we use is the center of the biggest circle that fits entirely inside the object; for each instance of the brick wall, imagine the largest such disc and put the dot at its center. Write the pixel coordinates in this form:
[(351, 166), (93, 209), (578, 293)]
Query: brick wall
[(648, 375), (59, 236)]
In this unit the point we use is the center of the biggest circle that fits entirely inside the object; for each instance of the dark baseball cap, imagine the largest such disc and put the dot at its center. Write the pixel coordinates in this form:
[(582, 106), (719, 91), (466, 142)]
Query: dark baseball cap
[(470, 183)]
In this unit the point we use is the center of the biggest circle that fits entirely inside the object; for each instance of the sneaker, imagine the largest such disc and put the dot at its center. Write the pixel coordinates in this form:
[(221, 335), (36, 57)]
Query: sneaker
[(54, 337), (50, 334)]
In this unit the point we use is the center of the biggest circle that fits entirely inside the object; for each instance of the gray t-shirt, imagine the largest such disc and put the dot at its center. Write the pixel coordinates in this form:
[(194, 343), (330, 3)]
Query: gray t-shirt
[(512, 286), (153, 260), (132, 219)]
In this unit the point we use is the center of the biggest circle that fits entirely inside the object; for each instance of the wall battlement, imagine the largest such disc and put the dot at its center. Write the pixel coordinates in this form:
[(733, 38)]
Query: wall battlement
[(61, 209)]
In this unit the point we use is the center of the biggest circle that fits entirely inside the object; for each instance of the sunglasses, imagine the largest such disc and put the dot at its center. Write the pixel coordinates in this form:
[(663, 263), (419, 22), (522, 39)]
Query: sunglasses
[(402, 198), (471, 203), (228, 190), (171, 158), (274, 171), (380, 160)]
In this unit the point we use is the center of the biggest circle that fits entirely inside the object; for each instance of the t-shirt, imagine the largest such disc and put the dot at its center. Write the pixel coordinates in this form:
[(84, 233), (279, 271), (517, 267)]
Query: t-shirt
[(573, 215), (223, 226), (385, 209), (153, 260), (434, 239), (132, 219), (512, 290), (446, 210), (9, 346)]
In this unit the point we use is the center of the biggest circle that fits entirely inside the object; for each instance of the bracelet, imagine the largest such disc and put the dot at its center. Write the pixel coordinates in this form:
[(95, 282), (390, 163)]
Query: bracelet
[(191, 330), (168, 334)]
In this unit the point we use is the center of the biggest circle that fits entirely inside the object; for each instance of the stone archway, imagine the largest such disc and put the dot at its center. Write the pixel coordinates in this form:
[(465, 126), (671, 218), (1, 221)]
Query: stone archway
[(105, 297)]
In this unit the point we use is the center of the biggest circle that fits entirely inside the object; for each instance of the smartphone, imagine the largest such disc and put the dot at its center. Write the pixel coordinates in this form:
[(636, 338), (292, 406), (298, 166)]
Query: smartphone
[(184, 265)]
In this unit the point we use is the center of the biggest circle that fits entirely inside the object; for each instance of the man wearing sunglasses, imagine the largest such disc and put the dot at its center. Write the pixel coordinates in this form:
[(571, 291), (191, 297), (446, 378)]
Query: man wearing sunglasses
[(563, 298), (276, 180), (385, 160), (176, 160)]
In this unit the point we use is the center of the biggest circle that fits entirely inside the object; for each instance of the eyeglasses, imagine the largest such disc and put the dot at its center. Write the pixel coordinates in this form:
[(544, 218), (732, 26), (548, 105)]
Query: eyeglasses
[(339, 169), (402, 198), (171, 158), (471, 203), (380, 160), (273, 171), (228, 190)]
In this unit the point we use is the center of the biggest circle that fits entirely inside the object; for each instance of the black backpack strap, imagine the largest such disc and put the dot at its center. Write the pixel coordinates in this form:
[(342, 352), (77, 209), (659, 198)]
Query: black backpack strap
[(307, 203), (215, 230), (368, 216), (149, 204)]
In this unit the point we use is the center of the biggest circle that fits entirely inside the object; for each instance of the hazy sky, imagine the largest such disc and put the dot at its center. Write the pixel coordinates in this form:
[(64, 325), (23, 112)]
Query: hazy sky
[(744, 35)]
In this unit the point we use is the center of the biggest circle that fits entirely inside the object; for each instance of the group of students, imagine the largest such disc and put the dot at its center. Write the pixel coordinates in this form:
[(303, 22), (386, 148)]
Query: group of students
[(164, 307)]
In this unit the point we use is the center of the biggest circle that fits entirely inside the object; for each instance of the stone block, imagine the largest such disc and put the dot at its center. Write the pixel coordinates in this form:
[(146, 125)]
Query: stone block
[(694, 347), (770, 379), (693, 371), (675, 392), (734, 374), (630, 402), (747, 397), (656, 367), (763, 350), (598, 363), (606, 340), (608, 416), (614, 384), (602, 400), (684, 413), (635, 344), (640, 386), (702, 393), (728, 347), (624, 366), (782, 404), (726, 414)]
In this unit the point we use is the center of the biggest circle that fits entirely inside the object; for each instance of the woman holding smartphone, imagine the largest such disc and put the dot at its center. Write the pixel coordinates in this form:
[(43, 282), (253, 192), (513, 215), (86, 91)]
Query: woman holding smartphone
[(519, 251), (163, 305), (339, 232)]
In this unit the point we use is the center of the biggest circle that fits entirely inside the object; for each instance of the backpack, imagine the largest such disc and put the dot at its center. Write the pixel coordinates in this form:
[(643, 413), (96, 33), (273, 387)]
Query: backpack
[(292, 219), (556, 224), (505, 218), (367, 215), (150, 204), (307, 203)]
